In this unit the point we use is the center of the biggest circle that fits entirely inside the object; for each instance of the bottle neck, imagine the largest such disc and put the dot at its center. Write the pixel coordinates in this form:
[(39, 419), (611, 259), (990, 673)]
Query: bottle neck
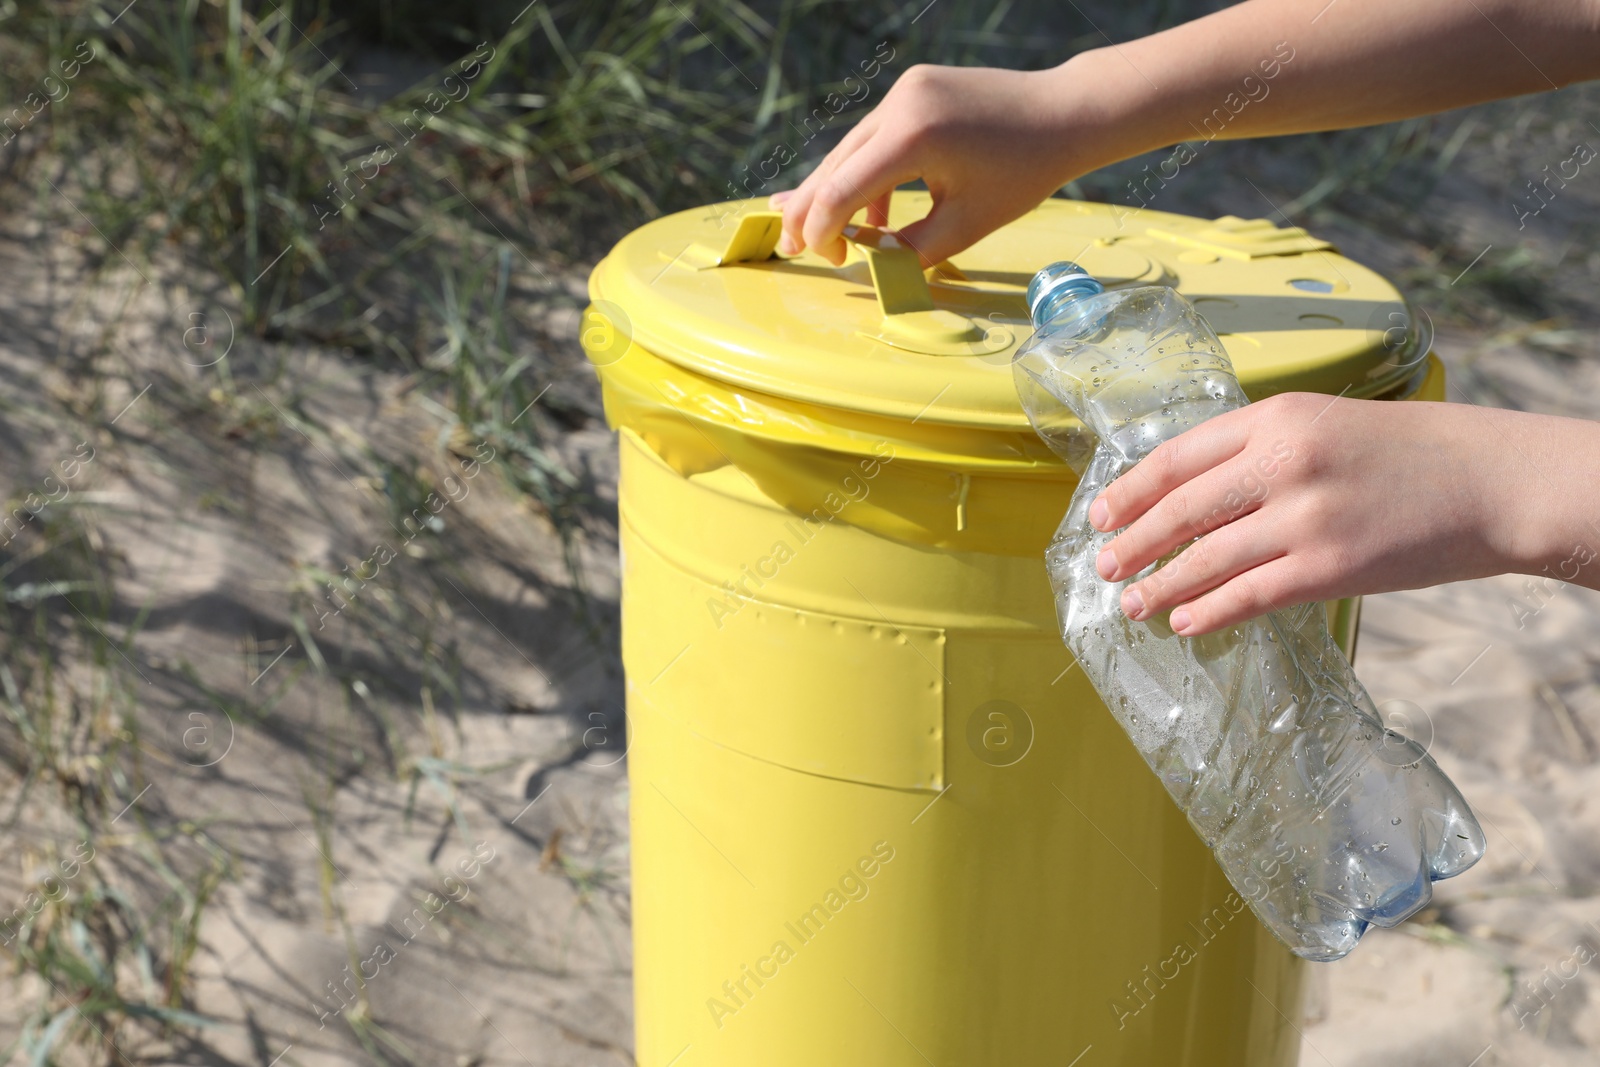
[(1054, 290), (1136, 367)]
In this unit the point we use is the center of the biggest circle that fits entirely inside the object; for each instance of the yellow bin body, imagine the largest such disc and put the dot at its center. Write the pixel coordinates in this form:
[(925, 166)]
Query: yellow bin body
[(878, 817)]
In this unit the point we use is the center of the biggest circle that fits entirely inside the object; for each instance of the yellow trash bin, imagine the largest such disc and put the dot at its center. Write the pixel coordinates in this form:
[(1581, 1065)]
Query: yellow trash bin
[(878, 818)]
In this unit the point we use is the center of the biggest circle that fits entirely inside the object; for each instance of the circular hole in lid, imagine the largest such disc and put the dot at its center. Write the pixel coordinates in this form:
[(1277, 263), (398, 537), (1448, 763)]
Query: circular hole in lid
[(1321, 322), (1312, 285)]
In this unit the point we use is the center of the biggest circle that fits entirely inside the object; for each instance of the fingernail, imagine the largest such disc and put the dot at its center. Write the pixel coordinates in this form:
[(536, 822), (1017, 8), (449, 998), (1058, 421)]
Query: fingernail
[(1098, 513), (1132, 603), (1106, 564), (786, 246), (777, 198), (1179, 621)]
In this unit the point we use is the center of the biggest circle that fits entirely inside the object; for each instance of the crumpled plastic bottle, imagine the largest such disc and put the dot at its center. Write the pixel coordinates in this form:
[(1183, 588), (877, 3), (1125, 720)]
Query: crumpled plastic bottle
[(1321, 818)]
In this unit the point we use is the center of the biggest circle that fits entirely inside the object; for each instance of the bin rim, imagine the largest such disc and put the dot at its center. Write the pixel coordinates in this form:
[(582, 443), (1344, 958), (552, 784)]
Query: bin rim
[(798, 329)]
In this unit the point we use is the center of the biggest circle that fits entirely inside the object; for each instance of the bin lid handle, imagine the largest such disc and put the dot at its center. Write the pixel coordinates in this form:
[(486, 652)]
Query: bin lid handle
[(754, 239), (910, 319)]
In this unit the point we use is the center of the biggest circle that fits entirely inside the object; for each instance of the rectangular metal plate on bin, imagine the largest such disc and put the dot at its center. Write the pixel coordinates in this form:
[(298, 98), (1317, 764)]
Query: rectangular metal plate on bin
[(857, 699)]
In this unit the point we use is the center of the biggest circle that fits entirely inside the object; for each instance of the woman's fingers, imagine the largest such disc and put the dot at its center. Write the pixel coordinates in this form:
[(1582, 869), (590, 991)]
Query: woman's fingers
[(797, 205), (1275, 585), (945, 230), (1211, 561), (867, 176), (878, 211), (1197, 506), (1169, 466), (877, 215)]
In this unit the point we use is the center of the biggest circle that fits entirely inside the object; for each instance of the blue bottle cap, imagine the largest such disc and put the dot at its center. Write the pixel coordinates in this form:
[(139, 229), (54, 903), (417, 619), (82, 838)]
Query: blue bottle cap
[(1059, 283)]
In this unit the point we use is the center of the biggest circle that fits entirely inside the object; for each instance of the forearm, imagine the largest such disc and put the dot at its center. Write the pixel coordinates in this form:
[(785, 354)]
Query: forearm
[(1264, 67), (990, 144)]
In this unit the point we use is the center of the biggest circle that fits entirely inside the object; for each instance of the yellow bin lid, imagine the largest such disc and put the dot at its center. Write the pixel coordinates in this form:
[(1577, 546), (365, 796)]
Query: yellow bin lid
[(881, 337)]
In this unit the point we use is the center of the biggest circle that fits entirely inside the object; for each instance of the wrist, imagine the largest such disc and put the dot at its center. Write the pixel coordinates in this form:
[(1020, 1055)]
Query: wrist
[(1103, 111), (1543, 519)]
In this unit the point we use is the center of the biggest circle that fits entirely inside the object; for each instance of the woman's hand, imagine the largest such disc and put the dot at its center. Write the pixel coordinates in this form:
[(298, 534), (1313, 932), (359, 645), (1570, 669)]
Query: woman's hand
[(990, 144), (1306, 497)]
